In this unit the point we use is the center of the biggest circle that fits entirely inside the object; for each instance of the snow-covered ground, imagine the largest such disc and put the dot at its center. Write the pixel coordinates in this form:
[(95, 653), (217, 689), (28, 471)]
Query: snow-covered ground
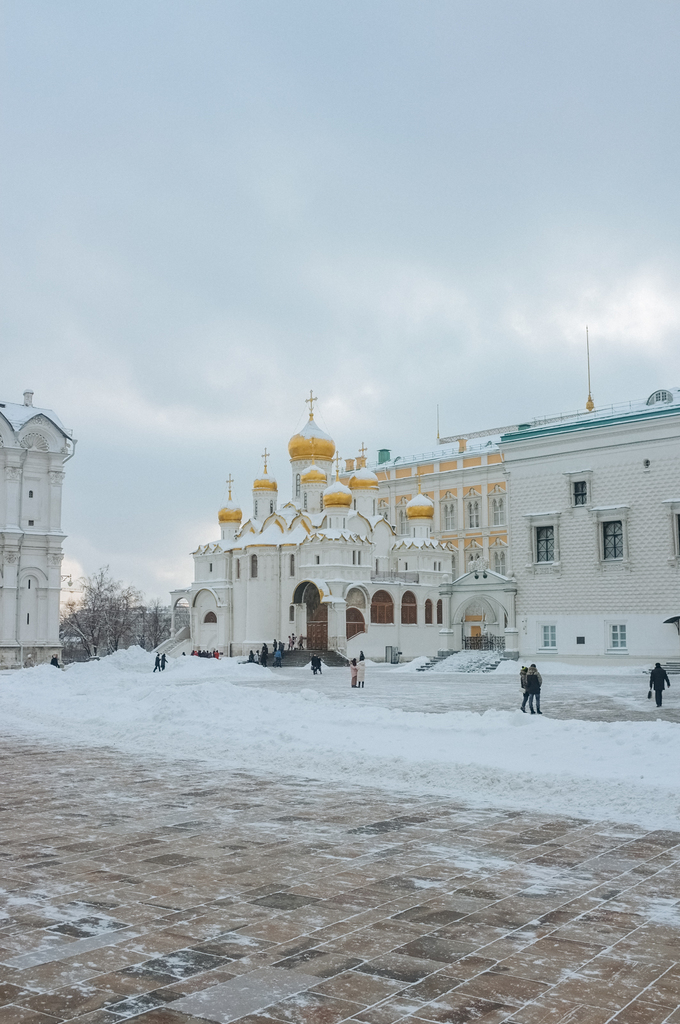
[(459, 735)]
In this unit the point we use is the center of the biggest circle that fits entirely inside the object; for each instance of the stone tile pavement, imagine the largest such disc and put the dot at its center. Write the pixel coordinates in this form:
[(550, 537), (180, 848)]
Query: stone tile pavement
[(169, 893)]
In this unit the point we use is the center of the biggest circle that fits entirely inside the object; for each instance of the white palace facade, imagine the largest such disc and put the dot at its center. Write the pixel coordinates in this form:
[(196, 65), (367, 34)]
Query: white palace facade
[(552, 538), (34, 446)]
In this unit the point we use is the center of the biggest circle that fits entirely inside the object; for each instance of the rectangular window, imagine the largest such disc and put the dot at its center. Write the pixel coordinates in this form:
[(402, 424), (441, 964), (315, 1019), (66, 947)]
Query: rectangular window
[(358, 558), (31, 522), (612, 538), (617, 638), (580, 639), (210, 569), (238, 569), (318, 559), (549, 634), (545, 543), (292, 565), (354, 558), (580, 492)]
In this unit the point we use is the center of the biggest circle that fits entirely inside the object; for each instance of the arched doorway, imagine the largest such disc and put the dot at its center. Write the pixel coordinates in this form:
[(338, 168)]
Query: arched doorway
[(481, 626), (317, 616)]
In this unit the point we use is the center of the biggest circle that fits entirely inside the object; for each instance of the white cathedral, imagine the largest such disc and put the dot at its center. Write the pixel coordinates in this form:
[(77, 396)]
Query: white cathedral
[(552, 538), (34, 446)]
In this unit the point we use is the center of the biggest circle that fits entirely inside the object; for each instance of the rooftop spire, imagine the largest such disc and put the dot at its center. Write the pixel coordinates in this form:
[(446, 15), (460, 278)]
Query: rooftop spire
[(229, 483), (590, 404), (310, 402)]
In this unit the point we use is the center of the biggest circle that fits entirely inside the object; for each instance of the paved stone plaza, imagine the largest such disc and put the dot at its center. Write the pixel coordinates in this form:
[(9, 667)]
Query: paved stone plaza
[(168, 892)]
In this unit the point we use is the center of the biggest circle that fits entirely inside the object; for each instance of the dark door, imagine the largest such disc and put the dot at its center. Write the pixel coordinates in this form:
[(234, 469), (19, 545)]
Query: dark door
[(317, 628)]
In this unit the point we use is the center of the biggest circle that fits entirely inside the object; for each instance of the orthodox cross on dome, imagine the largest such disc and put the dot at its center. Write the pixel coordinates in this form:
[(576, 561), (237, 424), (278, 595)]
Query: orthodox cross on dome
[(229, 483), (265, 456), (363, 450), (310, 402), (337, 465)]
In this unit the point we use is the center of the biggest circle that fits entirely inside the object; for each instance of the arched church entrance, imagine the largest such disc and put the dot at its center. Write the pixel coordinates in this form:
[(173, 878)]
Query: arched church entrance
[(483, 626), (316, 630)]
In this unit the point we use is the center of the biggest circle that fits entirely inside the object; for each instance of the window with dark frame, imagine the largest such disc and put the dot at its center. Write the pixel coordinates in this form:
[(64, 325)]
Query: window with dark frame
[(545, 543), (382, 607), (581, 492), (612, 538), (292, 565), (428, 612), (440, 612), (409, 609), (253, 567)]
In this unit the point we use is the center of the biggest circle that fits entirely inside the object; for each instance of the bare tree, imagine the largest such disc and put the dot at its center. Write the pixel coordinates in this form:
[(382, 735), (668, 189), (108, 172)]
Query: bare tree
[(153, 624), (104, 619)]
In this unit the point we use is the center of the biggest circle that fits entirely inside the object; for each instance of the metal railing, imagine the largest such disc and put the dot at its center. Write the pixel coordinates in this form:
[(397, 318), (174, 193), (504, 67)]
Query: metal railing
[(484, 643), (392, 576)]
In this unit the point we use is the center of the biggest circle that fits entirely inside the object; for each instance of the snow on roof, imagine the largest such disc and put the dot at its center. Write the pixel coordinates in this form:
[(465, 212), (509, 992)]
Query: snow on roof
[(311, 429), (19, 415)]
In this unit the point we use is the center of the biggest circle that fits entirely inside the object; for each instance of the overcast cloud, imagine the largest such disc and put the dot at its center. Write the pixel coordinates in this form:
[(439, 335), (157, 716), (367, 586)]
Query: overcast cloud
[(209, 208)]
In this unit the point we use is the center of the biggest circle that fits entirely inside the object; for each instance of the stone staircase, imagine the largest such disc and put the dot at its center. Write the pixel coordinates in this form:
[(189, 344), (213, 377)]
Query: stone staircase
[(488, 661), (672, 668), (300, 659)]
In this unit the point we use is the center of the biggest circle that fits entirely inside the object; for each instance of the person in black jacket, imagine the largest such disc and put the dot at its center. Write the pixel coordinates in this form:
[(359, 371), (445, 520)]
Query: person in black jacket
[(658, 679)]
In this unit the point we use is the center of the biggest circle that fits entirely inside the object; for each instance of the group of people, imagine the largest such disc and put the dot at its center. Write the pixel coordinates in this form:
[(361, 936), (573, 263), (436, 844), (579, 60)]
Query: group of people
[(262, 657), (160, 662), (530, 680), (357, 671), (316, 664), (204, 654), (299, 640)]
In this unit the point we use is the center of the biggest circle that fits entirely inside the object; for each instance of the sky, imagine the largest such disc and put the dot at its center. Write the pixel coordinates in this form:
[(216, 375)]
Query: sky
[(208, 208)]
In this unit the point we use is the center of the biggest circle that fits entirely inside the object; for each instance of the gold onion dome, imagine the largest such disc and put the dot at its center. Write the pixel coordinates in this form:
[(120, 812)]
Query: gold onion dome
[(337, 496), (265, 483), (231, 513), (364, 480), (420, 507), (313, 475), (311, 442)]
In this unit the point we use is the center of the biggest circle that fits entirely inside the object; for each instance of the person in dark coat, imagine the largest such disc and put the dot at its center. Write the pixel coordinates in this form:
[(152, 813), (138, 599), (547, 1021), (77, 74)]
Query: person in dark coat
[(523, 686), (264, 654), (251, 658), (54, 661), (533, 687), (658, 679), (157, 663), (163, 661)]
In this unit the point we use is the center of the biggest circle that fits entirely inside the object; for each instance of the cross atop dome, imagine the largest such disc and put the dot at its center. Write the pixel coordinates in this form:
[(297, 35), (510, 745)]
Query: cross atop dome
[(230, 482), (265, 456), (310, 402)]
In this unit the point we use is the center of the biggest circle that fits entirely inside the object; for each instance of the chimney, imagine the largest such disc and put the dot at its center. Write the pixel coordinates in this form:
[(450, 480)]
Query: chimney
[(28, 398)]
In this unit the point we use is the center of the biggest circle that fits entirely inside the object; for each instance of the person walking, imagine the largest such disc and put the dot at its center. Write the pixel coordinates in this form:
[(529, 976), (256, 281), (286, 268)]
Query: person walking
[(353, 670), (315, 664), (157, 663), (278, 658), (361, 671), (264, 654), (523, 686), (658, 680), (163, 661), (533, 685)]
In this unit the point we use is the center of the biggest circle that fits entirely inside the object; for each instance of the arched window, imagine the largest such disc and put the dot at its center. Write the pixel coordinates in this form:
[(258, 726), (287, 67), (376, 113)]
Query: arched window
[(210, 617), (409, 609), (355, 622), (449, 517), (428, 612), (473, 515), (499, 562), (253, 567), (297, 485), (403, 522), (382, 607), (660, 396), (498, 511), (454, 566), (291, 613), (440, 612)]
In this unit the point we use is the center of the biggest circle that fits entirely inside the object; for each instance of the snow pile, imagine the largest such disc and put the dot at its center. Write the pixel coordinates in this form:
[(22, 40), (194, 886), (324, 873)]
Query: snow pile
[(204, 709)]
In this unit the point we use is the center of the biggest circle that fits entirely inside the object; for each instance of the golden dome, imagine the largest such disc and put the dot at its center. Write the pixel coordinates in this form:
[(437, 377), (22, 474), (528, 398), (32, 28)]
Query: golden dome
[(364, 480), (337, 496), (311, 443), (420, 507), (231, 513), (313, 475), (265, 483)]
